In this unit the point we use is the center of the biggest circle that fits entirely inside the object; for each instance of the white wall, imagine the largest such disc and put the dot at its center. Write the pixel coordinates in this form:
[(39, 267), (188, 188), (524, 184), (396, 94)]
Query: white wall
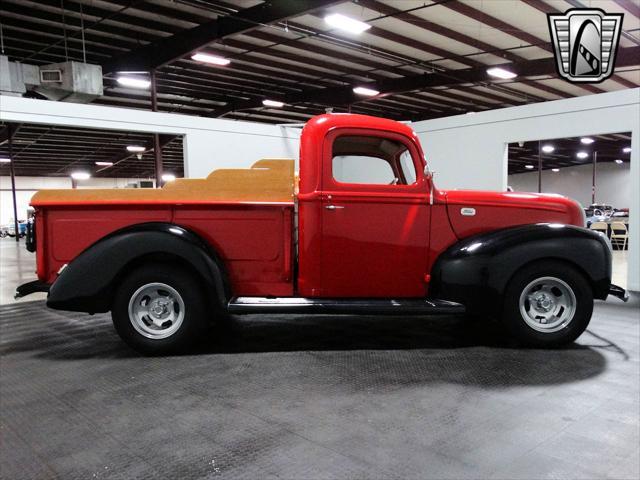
[(613, 183), (27, 186), (470, 151)]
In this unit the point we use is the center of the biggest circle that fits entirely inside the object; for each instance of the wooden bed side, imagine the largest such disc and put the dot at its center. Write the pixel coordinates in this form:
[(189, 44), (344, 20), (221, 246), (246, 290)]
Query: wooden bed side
[(267, 181)]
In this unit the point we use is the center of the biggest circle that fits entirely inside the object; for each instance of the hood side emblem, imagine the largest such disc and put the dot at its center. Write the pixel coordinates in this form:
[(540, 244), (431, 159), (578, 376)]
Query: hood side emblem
[(468, 211)]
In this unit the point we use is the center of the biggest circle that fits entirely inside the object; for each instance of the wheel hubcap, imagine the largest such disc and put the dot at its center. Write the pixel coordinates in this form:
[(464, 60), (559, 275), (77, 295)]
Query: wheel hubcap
[(547, 304), (156, 310)]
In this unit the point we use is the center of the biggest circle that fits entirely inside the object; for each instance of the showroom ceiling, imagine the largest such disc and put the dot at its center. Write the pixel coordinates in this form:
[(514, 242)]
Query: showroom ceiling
[(569, 152), (427, 58), (55, 151)]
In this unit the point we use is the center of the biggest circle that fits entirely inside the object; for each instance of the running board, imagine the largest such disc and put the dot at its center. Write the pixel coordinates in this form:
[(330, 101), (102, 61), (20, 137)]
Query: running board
[(371, 306), (31, 287), (619, 292)]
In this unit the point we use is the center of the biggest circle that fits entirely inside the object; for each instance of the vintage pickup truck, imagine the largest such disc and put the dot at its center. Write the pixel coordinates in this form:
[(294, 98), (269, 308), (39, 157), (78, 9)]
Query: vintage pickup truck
[(363, 230)]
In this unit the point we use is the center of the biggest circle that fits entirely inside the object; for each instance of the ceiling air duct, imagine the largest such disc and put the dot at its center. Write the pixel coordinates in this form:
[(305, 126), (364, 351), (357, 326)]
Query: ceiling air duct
[(64, 82), (16, 78), (70, 82)]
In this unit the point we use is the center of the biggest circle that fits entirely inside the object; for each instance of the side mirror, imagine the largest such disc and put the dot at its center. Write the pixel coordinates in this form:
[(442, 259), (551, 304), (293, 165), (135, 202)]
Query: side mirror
[(428, 173)]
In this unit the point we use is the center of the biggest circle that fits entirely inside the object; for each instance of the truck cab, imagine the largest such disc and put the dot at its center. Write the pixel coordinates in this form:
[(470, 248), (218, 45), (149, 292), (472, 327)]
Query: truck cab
[(362, 230)]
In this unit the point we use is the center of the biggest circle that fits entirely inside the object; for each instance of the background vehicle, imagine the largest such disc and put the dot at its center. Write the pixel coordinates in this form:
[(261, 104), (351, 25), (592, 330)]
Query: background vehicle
[(605, 213), (599, 210), (22, 229), (374, 236)]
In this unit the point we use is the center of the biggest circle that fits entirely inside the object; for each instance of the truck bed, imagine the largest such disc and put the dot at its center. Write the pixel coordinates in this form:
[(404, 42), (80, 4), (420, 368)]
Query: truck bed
[(246, 215)]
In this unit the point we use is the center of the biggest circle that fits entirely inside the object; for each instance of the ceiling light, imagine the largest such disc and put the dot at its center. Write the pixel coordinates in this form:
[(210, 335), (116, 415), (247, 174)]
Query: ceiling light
[(369, 92), (501, 73), (548, 148), (168, 177), (555, 170), (212, 59), (104, 164), (587, 140), (133, 82), (626, 149), (272, 103), (345, 23), (618, 161), (80, 176), (530, 167), (135, 148), (582, 154), (5, 160)]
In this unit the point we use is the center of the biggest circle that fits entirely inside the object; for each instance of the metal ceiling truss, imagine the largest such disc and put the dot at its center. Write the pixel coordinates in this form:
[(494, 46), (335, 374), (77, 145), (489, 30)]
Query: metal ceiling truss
[(609, 148)]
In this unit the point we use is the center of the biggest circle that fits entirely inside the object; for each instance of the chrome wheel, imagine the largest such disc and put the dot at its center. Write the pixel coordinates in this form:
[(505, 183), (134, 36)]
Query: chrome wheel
[(547, 304), (156, 310)]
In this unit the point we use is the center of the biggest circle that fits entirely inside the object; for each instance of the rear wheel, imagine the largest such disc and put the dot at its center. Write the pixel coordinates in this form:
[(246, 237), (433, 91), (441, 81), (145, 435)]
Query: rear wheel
[(159, 309), (547, 304)]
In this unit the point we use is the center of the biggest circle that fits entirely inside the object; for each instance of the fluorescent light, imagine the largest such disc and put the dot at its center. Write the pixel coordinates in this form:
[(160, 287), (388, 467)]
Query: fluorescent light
[(548, 148), (369, 92), (135, 148), (168, 177), (582, 154), (104, 164), (133, 82), (212, 59), (5, 160), (345, 23), (530, 167), (618, 161), (626, 149), (80, 176), (501, 73), (272, 103), (587, 140), (555, 170)]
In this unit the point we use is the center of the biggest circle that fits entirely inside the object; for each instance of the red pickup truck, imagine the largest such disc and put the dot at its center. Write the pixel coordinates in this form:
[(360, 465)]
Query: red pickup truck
[(363, 231)]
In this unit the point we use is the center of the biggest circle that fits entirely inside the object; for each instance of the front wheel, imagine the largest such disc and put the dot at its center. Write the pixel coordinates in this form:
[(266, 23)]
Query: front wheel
[(547, 304), (159, 309)]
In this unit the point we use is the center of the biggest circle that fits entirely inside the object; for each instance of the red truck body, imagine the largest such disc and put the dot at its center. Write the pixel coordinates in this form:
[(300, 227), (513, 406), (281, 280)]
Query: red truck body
[(382, 244), (255, 241), (334, 244)]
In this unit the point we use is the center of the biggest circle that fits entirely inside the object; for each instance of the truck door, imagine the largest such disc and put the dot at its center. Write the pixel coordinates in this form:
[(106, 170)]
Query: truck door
[(375, 215)]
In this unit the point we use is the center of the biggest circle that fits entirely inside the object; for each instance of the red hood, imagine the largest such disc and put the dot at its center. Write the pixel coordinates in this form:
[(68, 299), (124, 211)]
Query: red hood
[(474, 212)]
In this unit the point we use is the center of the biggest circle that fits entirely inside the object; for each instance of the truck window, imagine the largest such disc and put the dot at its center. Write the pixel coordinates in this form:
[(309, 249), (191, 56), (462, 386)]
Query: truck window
[(372, 160), (362, 169)]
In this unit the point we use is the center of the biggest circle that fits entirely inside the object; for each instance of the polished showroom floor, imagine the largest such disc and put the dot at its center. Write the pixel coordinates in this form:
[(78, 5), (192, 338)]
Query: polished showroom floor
[(296, 397)]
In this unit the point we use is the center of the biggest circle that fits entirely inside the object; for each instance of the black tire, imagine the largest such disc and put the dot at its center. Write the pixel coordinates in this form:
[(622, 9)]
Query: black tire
[(194, 314), (573, 326)]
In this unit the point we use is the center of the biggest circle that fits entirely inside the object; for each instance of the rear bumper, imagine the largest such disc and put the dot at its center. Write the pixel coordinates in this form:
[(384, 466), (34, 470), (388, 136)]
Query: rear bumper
[(618, 292), (31, 287)]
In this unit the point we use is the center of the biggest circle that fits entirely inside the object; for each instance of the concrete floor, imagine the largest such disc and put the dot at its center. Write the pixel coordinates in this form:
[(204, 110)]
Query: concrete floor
[(295, 397), (17, 266)]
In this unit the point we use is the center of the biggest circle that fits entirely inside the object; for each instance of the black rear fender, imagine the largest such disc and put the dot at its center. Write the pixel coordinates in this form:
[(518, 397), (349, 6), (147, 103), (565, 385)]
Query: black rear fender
[(87, 283), (476, 270)]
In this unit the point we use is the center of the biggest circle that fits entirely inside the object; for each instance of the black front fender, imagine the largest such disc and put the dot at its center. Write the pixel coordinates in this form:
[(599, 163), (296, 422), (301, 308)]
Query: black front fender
[(476, 270), (87, 283)]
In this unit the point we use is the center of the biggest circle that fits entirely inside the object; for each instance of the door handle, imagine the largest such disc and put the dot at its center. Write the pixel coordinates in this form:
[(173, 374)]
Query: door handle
[(333, 207)]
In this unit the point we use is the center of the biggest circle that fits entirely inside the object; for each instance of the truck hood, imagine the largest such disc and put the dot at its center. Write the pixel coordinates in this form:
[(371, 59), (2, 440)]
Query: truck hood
[(472, 212)]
